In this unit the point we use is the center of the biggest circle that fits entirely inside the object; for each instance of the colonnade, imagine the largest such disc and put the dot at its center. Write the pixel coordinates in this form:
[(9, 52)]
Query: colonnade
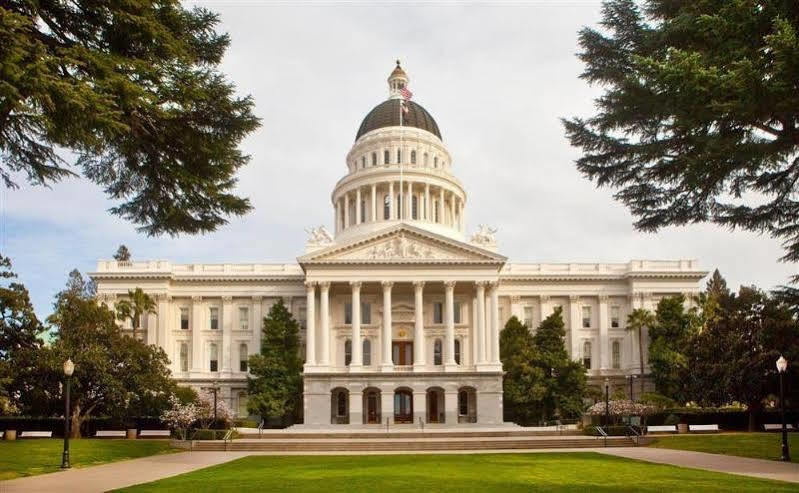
[(433, 204), (484, 327)]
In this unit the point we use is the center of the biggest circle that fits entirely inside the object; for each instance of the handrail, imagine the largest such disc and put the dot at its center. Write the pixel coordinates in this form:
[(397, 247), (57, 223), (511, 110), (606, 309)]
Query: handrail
[(228, 438), (421, 423), (603, 433), (261, 428), (635, 433)]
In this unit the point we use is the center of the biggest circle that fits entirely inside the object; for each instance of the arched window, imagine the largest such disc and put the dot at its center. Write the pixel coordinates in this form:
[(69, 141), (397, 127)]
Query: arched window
[(463, 403), (341, 404), (413, 157), (363, 162), (437, 352), (587, 355), (243, 357), (347, 352), (386, 207), (213, 359), (363, 211), (458, 351), (386, 158), (414, 207), (616, 355), (367, 352), (424, 160), (184, 356), (374, 159), (435, 162)]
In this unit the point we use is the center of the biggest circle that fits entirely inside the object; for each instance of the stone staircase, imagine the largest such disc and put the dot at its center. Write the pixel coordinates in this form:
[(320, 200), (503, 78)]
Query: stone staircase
[(409, 442)]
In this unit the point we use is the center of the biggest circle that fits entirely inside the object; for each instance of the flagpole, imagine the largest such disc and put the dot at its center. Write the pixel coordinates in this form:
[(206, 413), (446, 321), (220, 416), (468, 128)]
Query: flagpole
[(401, 156)]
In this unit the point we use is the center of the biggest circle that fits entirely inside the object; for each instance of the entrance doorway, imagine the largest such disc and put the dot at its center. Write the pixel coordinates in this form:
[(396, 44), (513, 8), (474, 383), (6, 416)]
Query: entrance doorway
[(403, 406), (372, 406), (402, 352), (435, 405)]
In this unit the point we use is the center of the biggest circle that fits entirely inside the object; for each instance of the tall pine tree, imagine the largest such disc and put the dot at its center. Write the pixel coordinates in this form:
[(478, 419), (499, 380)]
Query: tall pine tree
[(670, 338), (523, 384), (275, 389)]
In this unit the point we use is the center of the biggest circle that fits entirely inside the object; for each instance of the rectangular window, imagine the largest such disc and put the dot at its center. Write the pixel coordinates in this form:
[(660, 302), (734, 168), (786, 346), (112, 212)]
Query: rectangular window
[(214, 359), (586, 317), (214, 318), (587, 355), (348, 313), (243, 354), (244, 318), (302, 317), (437, 352), (184, 357), (616, 355), (184, 318), (438, 313), (615, 313), (366, 313), (456, 308), (528, 316)]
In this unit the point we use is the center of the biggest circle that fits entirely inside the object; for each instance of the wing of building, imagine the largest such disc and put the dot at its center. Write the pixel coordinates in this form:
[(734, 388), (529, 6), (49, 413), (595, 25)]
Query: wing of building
[(424, 344)]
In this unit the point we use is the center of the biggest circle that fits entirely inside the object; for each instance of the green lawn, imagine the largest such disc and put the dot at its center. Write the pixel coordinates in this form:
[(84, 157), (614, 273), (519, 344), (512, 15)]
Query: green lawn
[(757, 445), (584, 472), (29, 457)]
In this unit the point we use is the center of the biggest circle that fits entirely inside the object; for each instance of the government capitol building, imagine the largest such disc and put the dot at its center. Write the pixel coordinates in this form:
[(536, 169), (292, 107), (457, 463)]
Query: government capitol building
[(400, 308)]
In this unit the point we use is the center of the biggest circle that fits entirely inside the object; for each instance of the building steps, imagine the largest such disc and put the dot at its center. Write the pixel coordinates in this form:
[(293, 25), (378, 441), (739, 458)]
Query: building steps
[(394, 444)]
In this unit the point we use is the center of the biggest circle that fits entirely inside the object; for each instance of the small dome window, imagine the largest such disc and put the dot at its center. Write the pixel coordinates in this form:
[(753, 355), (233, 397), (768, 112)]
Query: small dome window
[(374, 159), (413, 157), (386, 157)]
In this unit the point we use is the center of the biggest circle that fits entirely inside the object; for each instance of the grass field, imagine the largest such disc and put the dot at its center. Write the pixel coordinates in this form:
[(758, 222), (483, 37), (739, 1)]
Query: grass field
[(28, 457), (584, 472), (757, 445)]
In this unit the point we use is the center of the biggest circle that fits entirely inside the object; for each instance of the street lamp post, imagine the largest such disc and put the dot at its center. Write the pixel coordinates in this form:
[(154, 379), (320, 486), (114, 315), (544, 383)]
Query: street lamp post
[(69, 367), (607, 402), (215, 389), (782, 365), (631, 378)]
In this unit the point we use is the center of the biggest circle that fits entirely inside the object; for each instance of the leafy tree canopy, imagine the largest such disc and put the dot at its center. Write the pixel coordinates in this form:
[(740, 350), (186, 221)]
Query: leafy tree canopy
[(523, 384), (133, 90), (123, 254), (700, 117)]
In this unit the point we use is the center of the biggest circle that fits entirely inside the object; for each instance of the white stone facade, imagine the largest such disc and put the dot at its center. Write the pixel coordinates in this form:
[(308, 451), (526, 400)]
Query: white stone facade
[(425, 344)]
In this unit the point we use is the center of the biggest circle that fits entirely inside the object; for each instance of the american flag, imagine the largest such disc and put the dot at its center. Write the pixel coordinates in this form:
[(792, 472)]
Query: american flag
[(405, 93), (404, 106)]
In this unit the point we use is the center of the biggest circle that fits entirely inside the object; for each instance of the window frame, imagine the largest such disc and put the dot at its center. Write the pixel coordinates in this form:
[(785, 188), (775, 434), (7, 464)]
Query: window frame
[(213, 317)]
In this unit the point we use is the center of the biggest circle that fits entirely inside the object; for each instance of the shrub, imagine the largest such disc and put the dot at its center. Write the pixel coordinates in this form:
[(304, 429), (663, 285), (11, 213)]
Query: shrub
[(671, 419)]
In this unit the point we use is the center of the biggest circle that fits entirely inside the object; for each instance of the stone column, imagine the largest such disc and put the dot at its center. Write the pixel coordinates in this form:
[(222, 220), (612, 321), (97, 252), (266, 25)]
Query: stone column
[(604, 341), (310, 324), (196, 320), (338, 216), (357, 345), (516, 309), (441, 214), (152, 329), (227, 332), (543, 307), (481, 332), (473, 334), (495, 328), (419, 406), (256, 324), (346, 210), (324, 324), (358, 218), (449, 334), (373, 196), (452, 209), (451, 407), (574, 325), (386, 363), (427, 212), (163, 323), (386, 405), (409, 201), (418, 328), (391, 214)]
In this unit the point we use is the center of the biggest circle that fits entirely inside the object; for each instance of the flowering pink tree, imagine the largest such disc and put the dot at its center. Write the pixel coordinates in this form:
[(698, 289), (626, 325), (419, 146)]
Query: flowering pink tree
[(205, 409), (180, 416), (621, 408)]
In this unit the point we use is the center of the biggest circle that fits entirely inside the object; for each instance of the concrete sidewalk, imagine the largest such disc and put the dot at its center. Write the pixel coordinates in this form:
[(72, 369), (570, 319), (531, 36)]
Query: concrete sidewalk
[(115, 475), (744, 466)]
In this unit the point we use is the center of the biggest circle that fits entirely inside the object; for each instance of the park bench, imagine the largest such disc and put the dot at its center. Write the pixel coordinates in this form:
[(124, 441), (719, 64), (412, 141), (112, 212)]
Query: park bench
[(706, 428), (110, 434), (36, 434), (2, 434), (662, 429), (154, 434), (777, 427)]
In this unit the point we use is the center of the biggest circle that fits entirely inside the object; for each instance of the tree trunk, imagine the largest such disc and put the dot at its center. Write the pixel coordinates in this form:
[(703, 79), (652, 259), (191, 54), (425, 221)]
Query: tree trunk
[(753, 409), (641, 359), (75, 422)]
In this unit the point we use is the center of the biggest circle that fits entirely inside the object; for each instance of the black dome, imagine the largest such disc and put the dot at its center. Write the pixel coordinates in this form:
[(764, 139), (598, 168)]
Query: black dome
[(386, 114)]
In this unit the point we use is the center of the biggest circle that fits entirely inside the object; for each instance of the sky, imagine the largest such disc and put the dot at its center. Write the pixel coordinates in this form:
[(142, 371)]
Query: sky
[(496, 77)]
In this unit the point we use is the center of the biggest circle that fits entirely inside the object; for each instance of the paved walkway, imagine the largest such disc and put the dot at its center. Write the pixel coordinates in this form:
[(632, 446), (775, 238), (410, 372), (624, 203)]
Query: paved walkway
[(759, 468), (127, 473)]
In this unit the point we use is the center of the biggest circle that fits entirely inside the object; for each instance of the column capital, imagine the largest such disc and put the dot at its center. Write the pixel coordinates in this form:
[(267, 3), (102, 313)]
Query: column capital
[(492, 285), (387, 285), (418, 284), (482, 284), (449, 284), (324, 285), (227, 299), (574, 298), (543, 298), (257, 297), (356, 285), (515, 299), (310, 285), (196, 298), (163, 297), (603, 298)]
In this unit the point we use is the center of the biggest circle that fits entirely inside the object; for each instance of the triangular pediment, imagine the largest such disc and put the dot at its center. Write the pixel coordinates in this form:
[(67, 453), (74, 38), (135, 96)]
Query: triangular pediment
[(402, 244)]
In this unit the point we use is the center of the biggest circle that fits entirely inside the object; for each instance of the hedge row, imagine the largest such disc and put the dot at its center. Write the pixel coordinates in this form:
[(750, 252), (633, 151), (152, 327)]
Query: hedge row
[(88, 428), (727, 419)]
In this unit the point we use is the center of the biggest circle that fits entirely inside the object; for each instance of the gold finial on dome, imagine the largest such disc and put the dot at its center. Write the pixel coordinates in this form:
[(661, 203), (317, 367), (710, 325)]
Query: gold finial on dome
[(396, 81)]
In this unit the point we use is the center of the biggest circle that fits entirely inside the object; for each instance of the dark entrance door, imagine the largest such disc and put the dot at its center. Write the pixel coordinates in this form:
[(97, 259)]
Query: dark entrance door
[(402, 352), (403, 406), (371, 408), (432, 399)]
